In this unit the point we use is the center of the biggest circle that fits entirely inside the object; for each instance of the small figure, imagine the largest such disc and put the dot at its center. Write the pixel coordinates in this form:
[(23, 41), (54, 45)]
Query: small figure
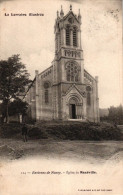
[(24, 132), (115, 124)]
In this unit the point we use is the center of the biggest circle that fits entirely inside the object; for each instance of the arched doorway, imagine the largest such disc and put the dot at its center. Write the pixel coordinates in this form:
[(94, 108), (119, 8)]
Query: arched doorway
[(75, 105), (72, 108)]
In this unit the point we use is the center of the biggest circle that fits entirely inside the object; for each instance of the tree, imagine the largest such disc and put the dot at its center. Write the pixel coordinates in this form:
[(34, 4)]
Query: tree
[(116, 114), (18, 107), (13, 79)]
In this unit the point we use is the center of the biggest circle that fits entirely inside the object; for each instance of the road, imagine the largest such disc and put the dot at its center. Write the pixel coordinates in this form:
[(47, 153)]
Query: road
[(91, 151)]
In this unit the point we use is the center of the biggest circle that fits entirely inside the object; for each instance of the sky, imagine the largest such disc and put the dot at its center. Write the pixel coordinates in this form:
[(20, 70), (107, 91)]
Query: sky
[(33, 38)]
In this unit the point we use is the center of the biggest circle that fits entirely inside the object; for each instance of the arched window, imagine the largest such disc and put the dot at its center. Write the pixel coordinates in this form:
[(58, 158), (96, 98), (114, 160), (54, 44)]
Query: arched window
[(88, 98), (88, 89), (46, 92), (46, 96), (67, 35), (72, 72), (75, 37)]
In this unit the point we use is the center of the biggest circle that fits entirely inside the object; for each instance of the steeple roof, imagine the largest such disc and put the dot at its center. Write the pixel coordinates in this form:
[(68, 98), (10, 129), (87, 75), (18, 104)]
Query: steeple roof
[(68, 14)]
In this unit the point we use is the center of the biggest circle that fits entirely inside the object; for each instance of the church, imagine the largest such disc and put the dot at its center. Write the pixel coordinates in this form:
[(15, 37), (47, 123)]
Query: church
[(65, 90)]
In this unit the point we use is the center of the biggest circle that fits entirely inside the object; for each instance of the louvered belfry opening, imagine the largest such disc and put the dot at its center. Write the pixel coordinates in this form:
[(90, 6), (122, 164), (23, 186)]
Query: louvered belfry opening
[(67, 35), (75, 37)]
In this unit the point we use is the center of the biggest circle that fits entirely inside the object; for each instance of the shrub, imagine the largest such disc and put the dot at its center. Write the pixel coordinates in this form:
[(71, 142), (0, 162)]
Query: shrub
[(64, 130)]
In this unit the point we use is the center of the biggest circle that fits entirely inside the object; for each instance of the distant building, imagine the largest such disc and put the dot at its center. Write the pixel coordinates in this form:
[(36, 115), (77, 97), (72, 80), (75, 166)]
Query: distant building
[(65, 90)]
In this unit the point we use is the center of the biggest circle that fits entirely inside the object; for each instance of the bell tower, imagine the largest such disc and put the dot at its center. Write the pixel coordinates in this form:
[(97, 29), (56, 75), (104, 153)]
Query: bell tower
[(68, 49)]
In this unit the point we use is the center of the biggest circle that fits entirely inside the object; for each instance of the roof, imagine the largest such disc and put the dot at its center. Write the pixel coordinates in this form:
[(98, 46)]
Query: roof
[(70, 12), (45, 70), (89, 75)]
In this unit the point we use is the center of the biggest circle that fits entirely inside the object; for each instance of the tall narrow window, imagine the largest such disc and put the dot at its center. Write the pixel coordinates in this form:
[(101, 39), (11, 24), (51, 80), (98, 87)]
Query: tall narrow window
[(57, 42), (67, 36), (88, 98), (46, 92), (88, 89), (75, 37), (46, 96), (59, 39)]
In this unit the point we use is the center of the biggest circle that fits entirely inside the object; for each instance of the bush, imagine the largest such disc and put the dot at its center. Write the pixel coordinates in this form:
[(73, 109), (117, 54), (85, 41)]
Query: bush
[(64, 130), (10, 130)]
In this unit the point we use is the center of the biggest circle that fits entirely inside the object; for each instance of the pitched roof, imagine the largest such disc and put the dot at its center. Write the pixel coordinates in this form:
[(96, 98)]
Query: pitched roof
[(69, 13)]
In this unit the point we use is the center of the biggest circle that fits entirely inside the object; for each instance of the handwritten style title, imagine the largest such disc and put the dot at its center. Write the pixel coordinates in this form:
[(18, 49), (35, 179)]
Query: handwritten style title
[(23, 14)]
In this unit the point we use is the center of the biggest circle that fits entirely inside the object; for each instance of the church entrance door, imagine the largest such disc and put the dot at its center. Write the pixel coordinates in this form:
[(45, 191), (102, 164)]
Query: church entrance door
[(72, 111)]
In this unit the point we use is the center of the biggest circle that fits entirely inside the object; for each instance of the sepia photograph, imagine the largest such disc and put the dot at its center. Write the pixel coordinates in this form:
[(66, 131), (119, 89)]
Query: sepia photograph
[(61, 97)]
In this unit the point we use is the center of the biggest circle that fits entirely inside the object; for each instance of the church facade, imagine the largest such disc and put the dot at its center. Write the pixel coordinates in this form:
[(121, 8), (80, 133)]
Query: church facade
[(65, 90)]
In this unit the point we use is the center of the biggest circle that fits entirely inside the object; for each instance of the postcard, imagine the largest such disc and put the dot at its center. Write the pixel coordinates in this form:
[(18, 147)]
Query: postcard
[(61, 128)]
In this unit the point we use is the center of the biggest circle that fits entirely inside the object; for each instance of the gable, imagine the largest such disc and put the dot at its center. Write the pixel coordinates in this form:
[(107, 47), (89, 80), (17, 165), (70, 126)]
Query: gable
[(70, 18), (74, 89)]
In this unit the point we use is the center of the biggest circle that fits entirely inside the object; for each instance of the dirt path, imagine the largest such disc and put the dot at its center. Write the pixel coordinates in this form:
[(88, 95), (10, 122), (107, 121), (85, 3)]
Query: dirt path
[(91, 151)]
